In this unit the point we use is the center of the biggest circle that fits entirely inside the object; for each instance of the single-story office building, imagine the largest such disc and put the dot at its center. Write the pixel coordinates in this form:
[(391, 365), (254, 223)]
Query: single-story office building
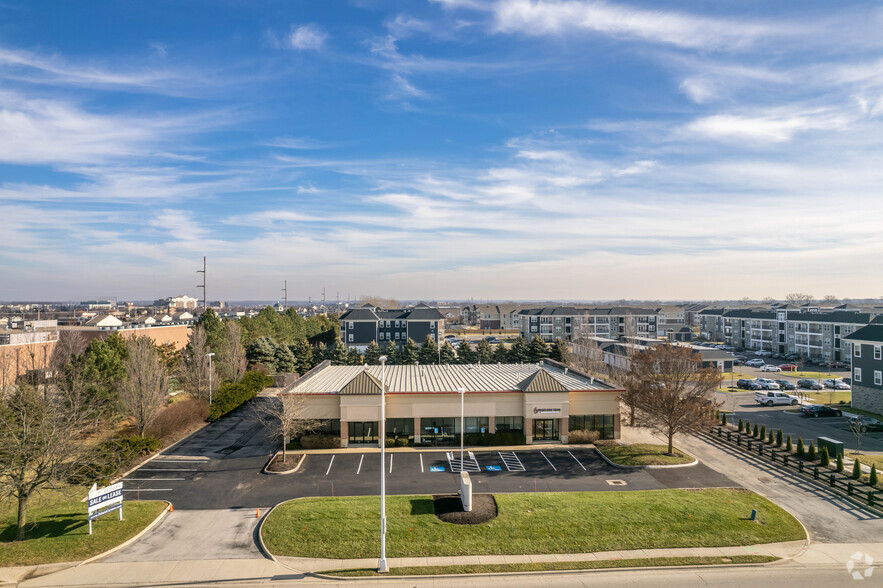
[(544, 401)]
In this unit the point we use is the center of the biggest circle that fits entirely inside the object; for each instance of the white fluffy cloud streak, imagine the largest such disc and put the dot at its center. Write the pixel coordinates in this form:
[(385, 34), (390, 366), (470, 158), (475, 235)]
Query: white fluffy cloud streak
[(771, 128), (308, 37)]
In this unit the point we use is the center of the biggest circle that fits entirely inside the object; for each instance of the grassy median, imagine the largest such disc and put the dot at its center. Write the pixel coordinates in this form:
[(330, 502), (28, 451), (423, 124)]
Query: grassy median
[(534, 523), (642, 454), (58, 529)]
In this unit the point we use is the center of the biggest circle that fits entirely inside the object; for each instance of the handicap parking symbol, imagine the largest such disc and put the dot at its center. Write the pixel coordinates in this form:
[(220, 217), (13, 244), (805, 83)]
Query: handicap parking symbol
[(437, 469), (494, 468)]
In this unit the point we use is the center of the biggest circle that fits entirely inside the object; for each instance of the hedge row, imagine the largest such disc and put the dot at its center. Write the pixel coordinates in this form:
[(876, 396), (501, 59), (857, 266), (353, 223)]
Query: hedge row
[(231, 395)]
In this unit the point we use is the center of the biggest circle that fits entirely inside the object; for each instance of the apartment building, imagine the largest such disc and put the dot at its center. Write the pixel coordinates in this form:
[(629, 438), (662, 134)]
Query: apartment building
[(498, 316), (568, 323), (360, 326), (867, 367)]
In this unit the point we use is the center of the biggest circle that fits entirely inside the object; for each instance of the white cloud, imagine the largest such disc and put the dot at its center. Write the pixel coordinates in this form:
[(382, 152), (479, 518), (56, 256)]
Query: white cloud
[(773, 128), (308, 37)]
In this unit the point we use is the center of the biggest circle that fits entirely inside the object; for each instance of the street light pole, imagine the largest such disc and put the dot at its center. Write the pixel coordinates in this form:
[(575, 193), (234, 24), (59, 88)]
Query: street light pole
[(209, 356), (462, 392), (382, 566)]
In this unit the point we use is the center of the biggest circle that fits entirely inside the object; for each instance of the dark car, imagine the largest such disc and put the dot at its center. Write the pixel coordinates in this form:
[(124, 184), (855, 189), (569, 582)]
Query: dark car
[(838, 365), (820, 410), (810, 384), (786, 385), (746, 384)]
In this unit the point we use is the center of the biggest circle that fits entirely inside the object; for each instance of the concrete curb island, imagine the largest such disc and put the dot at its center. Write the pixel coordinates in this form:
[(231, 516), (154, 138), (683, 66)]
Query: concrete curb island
[(286, 472), (647, 467)]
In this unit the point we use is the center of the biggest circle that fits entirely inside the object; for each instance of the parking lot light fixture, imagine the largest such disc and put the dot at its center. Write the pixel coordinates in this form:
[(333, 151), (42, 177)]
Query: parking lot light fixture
[(382, 566), (462, 392)]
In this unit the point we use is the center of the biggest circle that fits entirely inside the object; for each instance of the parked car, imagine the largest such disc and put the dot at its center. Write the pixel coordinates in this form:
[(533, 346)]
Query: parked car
[(809, 384), (786, 385), (771, 398), (836, 384), (770, 368), (763, 353), (767, 384), (746, 384), (787, 367), (754, 362), (866, 423), (820, 410), (838, 365), (792, 357), (846, 381), (492, 340)]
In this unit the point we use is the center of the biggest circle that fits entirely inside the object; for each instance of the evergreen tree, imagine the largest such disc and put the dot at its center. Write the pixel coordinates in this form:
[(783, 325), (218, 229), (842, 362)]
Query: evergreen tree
[(839, 461), (337, 353), (393, 357), (485, 353), (284, 360), (104, 370), (303, 355), (320, 353), (873, 479), (215, 330), (262, 351), (788, 444), (372, 354), (800, 449), (537, 350), (447, 354), (428, 353), (825, 458), (558, 351), (519, 351), (410, 353), (811, 452), (353, 357), (501, 354), (465, 353), (856, 469), (741, 425), (724, 419), (779, 438)]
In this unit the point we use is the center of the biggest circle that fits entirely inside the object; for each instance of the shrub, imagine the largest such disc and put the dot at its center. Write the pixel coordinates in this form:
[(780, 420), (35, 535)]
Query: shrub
[(580, 436), (873, 480), (402, 442), (231, 395), (825, 459), (800, 450), (756, 431), (788, 445), (741, 426), (839, 462), (811, 454), (771, 439), (856, 470), (779, 438), (762, 433), (724, 419), (256, 381), (178, 417), (114, 456), (390, 442), (319, 442)]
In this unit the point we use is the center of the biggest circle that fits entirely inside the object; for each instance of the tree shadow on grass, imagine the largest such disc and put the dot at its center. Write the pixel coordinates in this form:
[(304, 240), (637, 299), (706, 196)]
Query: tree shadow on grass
[(46, 527), (422, 506)]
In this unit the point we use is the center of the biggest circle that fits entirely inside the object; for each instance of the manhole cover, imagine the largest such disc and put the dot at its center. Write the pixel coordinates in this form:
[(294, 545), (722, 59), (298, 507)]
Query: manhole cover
[(616, 482)]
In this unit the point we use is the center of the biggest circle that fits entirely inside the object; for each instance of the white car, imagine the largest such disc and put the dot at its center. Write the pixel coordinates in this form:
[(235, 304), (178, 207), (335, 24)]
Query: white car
[(754, 362), (836, 384), (763, 353), (771, 398), (768, 384), (770, 368)]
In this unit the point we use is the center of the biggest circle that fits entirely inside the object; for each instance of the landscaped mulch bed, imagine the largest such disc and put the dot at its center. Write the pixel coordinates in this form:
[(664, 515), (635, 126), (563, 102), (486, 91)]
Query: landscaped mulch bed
[(449, 508), (277, 465)]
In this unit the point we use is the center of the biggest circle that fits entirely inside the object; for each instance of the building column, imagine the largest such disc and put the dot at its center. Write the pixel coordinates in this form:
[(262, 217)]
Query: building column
[(563, 428), (617, 426), (417, 430), (528, 431), (492, 425), (344, 433)]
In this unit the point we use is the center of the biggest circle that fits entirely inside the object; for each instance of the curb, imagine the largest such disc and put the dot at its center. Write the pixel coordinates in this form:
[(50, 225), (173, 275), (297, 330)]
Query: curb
[(131, 539), (263, 547), (646, 467), (285, 473)]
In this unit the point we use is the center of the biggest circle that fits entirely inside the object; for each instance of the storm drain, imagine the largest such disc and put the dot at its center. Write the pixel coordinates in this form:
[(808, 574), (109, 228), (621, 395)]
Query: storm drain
[(616, 482)]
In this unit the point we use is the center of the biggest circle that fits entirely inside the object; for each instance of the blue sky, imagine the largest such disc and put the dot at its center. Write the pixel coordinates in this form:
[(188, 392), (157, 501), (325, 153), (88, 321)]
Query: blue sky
[(441, 149)]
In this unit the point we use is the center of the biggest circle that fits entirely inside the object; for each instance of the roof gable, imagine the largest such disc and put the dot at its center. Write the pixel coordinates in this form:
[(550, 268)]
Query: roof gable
[(363, 383), (541, 381)]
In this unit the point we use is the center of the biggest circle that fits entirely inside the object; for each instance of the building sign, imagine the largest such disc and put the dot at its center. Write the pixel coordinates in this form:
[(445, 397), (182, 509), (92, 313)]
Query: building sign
[(105, 500), (538, 410)]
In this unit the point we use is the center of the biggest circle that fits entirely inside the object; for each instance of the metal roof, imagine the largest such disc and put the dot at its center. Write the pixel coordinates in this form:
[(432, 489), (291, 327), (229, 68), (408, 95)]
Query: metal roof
[(418, 379)]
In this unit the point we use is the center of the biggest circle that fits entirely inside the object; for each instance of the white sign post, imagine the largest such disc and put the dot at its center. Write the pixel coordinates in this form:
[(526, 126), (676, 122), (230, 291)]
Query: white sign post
[(105, 500)]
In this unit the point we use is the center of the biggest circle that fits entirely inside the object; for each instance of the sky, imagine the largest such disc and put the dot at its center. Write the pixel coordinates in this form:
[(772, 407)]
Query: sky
[(441, 149)]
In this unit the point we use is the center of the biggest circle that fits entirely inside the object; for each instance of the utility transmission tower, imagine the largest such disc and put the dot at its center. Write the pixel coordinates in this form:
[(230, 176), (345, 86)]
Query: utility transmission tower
[(285, 296), (204, 296)]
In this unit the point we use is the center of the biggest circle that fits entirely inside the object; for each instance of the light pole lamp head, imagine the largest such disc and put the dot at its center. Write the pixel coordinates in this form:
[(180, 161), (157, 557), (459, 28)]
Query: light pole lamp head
[(461, 390), (209, 354), (382, 359)]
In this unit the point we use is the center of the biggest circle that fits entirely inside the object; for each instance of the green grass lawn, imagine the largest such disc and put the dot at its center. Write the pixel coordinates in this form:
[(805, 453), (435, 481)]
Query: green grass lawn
[(874, 415), (536, 523), (558, 565), (868, 459), (812, 375), (832, 397), (59, 529), (641, 454)]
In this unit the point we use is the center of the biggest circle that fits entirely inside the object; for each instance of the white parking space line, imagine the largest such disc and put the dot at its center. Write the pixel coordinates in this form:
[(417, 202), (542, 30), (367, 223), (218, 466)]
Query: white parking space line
[(167, 470), (421, 464), (360, 464), (576, 460), (147, 489), (391, 455), (153, 479), (329, 465), (550, 463), (511, 461), (469, 464)]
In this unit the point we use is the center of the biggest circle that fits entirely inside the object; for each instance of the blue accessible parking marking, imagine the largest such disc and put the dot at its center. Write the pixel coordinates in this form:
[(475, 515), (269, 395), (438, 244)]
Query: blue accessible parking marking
[(494, 468), (437, 469)]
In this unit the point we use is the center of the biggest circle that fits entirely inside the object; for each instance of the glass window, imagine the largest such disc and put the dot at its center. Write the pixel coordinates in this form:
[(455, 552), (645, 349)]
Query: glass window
[(330, 427), (858, 350), (878, 378), (350, 337), (350, 324), (474, 425), (437, 430), (876, 352), (858, 375), (603, 423), (400, 428), (509, 423)]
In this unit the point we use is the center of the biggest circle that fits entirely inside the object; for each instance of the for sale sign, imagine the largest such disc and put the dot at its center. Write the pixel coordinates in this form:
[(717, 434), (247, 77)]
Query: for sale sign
[(105, 500)]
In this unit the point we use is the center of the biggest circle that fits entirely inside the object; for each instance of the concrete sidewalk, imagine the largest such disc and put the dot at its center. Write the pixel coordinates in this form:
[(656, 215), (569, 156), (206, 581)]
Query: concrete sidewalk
[(788, 549)]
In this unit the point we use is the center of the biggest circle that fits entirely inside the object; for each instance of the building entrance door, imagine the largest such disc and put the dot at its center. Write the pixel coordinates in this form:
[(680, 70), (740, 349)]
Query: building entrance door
[(545, 429), (363, 432)]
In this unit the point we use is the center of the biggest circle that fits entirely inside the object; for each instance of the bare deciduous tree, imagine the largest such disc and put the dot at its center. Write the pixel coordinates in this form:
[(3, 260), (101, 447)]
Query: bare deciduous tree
[(146, 389), (41, 445), (285, 417), (799, 298), (70, 344), (233, 363), (676, 391), (193, 369)]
